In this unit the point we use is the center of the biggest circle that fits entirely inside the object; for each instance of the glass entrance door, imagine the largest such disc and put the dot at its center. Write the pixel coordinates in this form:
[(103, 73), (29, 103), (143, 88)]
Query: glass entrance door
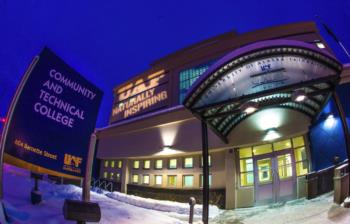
[(274, 177)]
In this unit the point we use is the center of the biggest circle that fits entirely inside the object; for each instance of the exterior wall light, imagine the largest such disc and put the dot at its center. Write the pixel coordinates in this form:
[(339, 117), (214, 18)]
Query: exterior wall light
[(319, 44), (271, 134), (299, 95), (249, 107), (168, 150)]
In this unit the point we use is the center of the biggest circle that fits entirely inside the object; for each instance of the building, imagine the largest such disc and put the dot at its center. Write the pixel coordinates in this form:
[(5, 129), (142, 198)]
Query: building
[(269, 127)]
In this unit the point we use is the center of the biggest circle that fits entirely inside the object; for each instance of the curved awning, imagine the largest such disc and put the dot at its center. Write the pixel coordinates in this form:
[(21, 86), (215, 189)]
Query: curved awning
[(265, 74)]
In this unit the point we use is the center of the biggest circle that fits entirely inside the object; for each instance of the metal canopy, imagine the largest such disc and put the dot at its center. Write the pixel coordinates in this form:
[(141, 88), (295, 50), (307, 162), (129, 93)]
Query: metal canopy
[(266, 73)]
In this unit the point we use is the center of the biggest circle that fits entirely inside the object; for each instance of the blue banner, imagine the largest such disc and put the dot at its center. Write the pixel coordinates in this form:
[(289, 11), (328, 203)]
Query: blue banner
[(51, 123)]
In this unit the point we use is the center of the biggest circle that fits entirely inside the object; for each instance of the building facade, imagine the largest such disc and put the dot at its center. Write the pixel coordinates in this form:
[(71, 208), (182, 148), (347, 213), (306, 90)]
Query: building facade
[(152, 145)]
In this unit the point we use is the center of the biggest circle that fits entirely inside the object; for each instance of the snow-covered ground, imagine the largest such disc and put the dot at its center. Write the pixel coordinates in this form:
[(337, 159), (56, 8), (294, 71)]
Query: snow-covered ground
[(126, 209)]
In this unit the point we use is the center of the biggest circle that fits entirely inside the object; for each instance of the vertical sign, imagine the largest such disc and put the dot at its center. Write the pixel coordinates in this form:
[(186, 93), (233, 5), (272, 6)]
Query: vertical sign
[(52, 120)]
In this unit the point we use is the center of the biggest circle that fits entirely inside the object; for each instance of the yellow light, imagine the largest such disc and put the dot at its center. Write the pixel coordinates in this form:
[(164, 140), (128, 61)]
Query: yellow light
[(320, 45)]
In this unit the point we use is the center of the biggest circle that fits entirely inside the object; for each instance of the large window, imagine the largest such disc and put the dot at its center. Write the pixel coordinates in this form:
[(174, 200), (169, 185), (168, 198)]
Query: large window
[(189, 76), (187, 180), (120, 164), (106, 163), (158, 180), (301, 162), (172, 163), (112, 164), (172, 180), (105, 174), (136, 164), (135, 179), (146, 164), (158, 164), (145, 179), (188, 162)]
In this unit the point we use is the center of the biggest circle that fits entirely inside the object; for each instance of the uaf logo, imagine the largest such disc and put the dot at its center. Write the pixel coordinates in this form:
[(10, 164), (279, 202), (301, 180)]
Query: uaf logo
[(72, 160)]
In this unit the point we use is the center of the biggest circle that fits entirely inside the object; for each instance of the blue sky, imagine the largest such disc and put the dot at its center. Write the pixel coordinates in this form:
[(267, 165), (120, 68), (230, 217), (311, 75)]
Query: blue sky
[(110, 41)]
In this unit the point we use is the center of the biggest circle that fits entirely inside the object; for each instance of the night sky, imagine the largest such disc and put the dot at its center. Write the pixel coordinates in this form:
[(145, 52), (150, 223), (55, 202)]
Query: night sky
[(110, 41)]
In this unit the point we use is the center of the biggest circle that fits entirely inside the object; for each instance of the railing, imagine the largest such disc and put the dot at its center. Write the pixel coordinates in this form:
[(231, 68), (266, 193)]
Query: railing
[(103, 184), (341, 183)]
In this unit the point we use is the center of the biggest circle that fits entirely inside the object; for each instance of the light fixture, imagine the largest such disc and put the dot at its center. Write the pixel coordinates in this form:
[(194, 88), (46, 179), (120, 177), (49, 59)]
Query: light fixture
[(271, 134), (329, 121), (319, 44), (299, 95), (249, 107), (168, 150)]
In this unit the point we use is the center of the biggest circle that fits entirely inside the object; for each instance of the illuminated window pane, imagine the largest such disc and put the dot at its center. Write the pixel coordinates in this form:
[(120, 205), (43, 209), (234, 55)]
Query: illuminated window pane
[(117, 177), (120, 164), (135, 178), (301, 168), (246, 165), (262, 149), (298, 141), (146, 164), (112, 164), (158, 179), (187, 181), (264, 170), (136, 164), (300, 154), (285, 144), (105, 175), (247, 179), (172, 163), (145, 179), (159, 164), (106, 163), (201, 180), (111, 176), (188, 162), (172, 180), (245, 152), (284, 163), (209, 161)]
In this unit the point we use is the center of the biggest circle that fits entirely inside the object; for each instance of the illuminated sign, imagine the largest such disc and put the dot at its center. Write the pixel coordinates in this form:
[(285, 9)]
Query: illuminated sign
[(50, 127), (140, 96)]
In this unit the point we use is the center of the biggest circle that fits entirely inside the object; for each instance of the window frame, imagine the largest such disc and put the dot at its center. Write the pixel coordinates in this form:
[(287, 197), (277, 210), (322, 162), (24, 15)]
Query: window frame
[(173, 168), (149, 164), (155, 164), (133, 164), (171, 186), (184, 162)]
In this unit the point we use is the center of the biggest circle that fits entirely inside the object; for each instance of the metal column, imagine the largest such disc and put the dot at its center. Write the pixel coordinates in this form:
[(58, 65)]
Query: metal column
[(345, 127), (205, 154)]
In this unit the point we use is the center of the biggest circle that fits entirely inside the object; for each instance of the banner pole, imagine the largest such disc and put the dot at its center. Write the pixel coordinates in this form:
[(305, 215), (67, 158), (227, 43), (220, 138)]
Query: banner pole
[(9, 118), (88, 170)]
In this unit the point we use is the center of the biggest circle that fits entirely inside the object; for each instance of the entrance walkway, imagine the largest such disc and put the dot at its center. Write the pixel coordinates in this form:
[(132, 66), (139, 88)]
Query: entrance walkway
[(299, 211)]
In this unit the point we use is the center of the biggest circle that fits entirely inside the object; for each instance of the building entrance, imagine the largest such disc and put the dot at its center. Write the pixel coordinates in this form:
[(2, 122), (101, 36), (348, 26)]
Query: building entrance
[(274, 177)]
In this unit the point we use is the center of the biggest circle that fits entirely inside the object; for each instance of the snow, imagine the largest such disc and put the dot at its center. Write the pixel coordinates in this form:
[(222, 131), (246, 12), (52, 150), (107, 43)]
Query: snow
[(127, 209)]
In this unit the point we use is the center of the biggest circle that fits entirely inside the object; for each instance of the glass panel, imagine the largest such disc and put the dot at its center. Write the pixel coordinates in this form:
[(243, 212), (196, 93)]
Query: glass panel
[(173, 164), (264, 169), (112, 164), (247, 179), (286, 144), (145, 179), (284, 166), (159, 180), (301, 168), (201, 177), (172, 181), (188, 163), (245, 152), (120, 164), (146, 164), (111, 176), (117, 177), (262, 149), (135, 178), (159, 164), (106, 163), (136, 164), (105, 175), (188, 181), (300, 154), (298, 141), (246, 165)]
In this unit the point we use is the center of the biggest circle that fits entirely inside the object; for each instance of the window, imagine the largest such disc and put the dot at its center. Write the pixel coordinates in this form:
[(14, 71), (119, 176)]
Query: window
[(245, 152), (117, 177), (246, 166), (145, 179), (189, 76), (112, 164), (146, 164), (188, 162), (187, 181), (298, 141), (201, 180), (262, 149), (285, 144), (209, 161), (120, 164), (158, 180), (135, 178), (172, 163), (301, 162), (106, 163), (172, 180), (136, 164), (105, 175), (158, 164)]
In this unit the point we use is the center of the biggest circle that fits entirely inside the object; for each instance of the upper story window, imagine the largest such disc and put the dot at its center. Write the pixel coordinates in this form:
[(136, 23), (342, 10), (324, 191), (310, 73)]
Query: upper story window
[(136, 164), (158, 164), (189, 76), (147, 164), (120, 164), (106, 163), (188, 162), (172, 163), (112, 164)]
